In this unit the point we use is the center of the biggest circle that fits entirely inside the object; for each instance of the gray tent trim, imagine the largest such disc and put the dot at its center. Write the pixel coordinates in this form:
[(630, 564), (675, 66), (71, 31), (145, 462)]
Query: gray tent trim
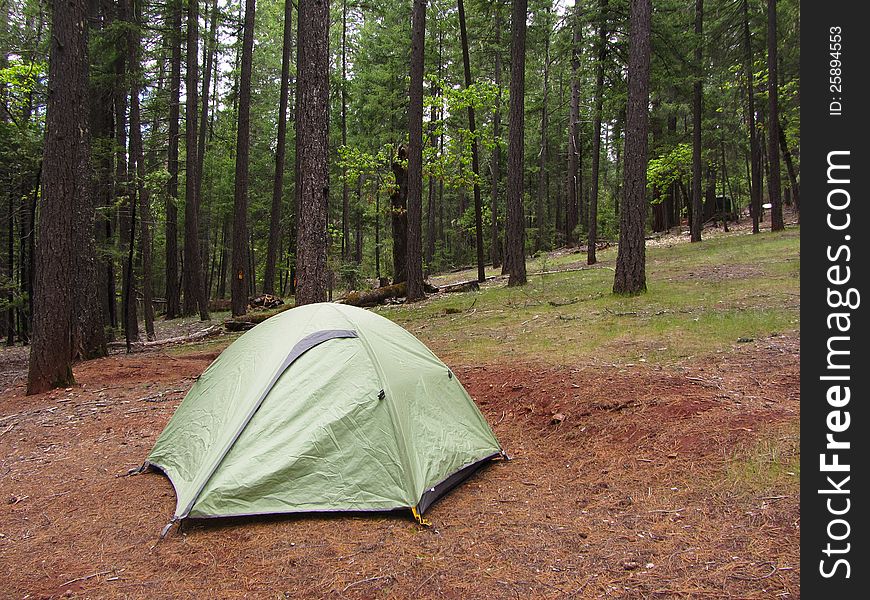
[(301, 347), (451, 481)]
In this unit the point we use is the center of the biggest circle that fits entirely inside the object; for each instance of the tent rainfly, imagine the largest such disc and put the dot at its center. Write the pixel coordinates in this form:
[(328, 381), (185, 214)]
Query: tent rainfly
[(324, 407)]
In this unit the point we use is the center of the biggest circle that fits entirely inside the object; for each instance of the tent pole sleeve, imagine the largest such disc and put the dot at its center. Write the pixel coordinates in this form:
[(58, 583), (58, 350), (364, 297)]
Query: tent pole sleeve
[(301, 347)]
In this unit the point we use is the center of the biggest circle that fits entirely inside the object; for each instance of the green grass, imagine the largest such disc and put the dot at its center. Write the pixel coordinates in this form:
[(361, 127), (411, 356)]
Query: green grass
[(701, 298), (773, 462)]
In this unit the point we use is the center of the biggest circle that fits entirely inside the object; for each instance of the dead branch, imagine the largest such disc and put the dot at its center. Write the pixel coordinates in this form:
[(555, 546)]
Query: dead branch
[(183, 339)]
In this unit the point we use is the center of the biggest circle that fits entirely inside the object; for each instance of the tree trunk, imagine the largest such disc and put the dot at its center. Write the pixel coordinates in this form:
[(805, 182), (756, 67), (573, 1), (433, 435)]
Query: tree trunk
[(124, 190), (592, 239), (345, 187), (65, 189), (754, 150), (630, 275), (495, 252), (414, 255), (312, 150), (430, 204), (241, 275), (137, 156), (574, 157), (515, 235), (773, 179), (475, 164), (173, 291), (280, 155), (192, 267), (792, 174), (541, 196), (209, 52), (399, 216), (101, 115), (697, 107)]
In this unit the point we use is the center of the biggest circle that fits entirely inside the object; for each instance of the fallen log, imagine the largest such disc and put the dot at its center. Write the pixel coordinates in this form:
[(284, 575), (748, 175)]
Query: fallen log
[(462, 286), (249, 320), (375, 296), (182, 339)]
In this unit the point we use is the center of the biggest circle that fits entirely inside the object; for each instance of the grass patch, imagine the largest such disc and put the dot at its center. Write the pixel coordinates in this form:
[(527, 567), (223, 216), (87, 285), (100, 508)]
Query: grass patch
[(772, 463), (701, 298)]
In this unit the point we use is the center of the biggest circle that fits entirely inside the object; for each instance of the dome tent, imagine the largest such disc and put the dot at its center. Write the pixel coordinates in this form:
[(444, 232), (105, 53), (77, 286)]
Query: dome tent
[(324, 407)]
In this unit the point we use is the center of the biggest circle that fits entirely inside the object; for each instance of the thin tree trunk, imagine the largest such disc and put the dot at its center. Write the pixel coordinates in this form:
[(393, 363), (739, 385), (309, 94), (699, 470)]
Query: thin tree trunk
[(209, 52), (515, 235), (792, 174), (194, 295), (242, 272), (173, 291), (345, 188), (399, 216), (754, 150), (541, 196), (724, 180), (414, 257), (495, 252), (630, 275), (592, 238), (430, 205), (280, 155), (137, 156), (475, 163), (574, 156), (312, 150), (378, 234), (697, 107), (124, 191), (773, 179)]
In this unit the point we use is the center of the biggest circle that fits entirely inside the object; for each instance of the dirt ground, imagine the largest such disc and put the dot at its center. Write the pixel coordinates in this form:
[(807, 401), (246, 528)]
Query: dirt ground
[(626, 481)]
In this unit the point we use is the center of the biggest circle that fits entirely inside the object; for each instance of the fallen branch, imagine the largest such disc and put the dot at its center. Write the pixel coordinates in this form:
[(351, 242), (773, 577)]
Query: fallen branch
[(183, 339), (86, 577), (375, 296), (471, 285), (366, 580), (249, 320)]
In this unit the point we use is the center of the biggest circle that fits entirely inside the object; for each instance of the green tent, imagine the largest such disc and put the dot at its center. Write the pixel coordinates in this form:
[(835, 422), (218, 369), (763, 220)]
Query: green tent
[(324, 407)]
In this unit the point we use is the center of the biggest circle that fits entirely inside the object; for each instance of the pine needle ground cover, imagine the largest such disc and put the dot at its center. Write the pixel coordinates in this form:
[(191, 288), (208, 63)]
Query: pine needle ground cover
[(654, 440)]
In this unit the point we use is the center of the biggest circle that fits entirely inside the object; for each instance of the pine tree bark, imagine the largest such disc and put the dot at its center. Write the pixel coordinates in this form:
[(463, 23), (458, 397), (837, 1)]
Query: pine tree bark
[(475, 162), (312, 150), (102, 140), (209, 52), (399, 216), (65, 193), (194, 296), (601, 46), (345, 186), (124, 191), (495, 252), (241, 273), (630, 278), (414, 257), (792, 173), (697, 107), (137, 157), (515, 234), (574, 156), (754, 149), (280, 155), (541, 196), (173, 290), (774, 178)]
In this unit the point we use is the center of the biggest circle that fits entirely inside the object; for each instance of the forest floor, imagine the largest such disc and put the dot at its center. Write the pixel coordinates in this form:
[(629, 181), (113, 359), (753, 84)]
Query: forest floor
[(655, 453)]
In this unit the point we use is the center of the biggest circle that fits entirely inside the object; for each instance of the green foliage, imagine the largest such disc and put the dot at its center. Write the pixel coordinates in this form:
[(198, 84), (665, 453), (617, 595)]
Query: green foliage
[(670, 168)]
